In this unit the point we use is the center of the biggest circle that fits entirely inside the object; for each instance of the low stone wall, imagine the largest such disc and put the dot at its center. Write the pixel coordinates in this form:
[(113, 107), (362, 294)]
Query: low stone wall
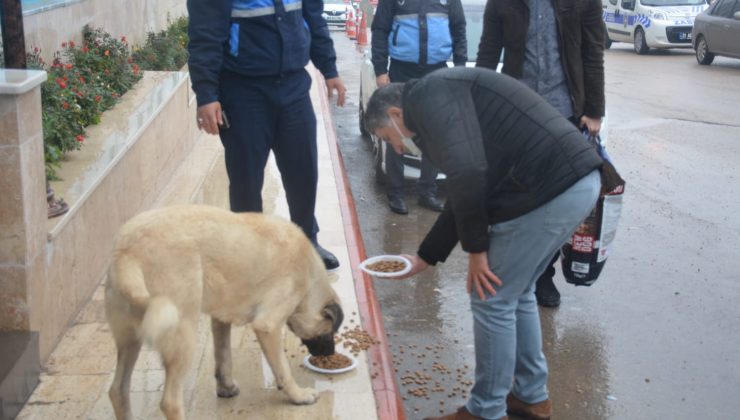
[(128, 160)]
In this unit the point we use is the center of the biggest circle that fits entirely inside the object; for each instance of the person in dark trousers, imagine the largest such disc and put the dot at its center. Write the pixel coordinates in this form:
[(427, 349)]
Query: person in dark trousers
[(521, 179), (419, 36), (556, 47), (247, 65)]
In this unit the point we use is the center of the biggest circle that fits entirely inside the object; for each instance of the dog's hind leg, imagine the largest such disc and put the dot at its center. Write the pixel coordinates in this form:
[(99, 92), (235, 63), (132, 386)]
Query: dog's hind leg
[(272, 346), (177, 349), (225, 385), (128, 346)]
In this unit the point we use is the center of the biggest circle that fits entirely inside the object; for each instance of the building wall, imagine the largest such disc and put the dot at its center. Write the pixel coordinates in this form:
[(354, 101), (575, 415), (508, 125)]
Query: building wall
[(47, 29)]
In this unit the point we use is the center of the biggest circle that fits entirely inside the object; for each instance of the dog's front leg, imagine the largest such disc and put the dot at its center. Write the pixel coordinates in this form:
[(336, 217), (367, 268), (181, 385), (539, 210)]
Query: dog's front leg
[(225, 385), (272, 346)]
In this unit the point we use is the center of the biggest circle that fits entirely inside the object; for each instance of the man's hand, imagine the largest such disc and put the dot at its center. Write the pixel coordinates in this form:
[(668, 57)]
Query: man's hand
[(592, 124), (336, 84), (382, 80), (417, 266), (209, 117), (480, 275)]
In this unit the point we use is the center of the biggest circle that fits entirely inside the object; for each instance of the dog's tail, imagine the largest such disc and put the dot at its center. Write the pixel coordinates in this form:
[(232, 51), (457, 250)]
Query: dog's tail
[(160, 313)]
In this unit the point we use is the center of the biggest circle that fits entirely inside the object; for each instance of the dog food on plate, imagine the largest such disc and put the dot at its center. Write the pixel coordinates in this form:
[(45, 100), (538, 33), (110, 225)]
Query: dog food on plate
[(387, 266), (334, 362)]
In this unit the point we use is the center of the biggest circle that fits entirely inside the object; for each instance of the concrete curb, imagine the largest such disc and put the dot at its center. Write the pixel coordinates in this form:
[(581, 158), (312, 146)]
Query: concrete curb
[(387, 397)]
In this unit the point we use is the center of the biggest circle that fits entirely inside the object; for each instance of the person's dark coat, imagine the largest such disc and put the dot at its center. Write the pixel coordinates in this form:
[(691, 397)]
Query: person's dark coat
[(504, 149), (581, 33), (255, 38)]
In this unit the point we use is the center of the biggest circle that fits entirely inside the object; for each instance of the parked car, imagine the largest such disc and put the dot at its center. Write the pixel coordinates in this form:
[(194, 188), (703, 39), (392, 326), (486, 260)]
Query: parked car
[(335, 12), (717, 31), (651, 23), (473, 10)]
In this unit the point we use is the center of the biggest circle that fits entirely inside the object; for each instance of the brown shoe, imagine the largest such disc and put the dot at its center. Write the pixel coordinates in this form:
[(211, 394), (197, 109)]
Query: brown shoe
[(461, 414), (540, 411)]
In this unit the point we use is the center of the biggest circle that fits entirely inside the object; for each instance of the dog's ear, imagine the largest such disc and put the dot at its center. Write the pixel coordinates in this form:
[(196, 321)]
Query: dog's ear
[(333, 312)]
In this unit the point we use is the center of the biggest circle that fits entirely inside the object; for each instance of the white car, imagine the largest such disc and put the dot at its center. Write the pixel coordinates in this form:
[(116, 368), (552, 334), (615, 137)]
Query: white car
[(335, 12), (651, 23), (473, 10), (474, 28)]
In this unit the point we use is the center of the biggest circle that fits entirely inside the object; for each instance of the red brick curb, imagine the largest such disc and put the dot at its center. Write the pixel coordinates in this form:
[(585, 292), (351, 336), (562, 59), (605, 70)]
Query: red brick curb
[(387, 397)]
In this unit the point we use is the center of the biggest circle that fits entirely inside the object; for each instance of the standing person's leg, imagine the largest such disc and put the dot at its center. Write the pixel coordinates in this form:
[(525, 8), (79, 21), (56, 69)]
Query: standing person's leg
[(546, 292), (296, 156), (426, 187), (519, 251), (394, 168), (247, 141)]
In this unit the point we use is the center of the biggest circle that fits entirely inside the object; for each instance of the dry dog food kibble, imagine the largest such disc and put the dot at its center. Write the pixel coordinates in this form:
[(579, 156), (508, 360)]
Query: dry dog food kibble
[(334, 362), (387, 266)]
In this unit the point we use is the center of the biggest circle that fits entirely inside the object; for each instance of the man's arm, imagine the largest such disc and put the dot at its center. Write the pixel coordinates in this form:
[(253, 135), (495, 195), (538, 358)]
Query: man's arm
[(382, 23), (592, 50), (208, 33), (457, 32), (441, 239), (492, 39), (447, 123), (322, 51)]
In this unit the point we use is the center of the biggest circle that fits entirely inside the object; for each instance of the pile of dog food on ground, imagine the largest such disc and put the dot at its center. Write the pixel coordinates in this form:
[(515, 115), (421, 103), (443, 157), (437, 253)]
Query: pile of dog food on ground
[(356, 340)]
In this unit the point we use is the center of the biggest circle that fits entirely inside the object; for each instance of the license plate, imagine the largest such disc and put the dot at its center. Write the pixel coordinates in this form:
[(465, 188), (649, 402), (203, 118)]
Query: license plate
[(684, 35)]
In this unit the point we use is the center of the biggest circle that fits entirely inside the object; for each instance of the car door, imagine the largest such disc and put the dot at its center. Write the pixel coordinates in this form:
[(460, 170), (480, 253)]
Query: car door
[(627, 19), (718, 28), (733, 32)]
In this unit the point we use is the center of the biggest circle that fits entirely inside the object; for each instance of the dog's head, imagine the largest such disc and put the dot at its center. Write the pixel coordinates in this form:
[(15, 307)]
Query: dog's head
[(317, 319)]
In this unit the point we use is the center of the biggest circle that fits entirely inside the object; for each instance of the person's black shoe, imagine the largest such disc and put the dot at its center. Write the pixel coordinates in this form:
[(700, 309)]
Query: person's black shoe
[(330, 261), (546, 293), (398, 205), (432, 203)]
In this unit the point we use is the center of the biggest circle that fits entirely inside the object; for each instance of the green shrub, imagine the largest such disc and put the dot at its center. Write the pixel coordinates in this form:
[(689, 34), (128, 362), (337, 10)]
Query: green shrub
[(166, 49), (83, 81)]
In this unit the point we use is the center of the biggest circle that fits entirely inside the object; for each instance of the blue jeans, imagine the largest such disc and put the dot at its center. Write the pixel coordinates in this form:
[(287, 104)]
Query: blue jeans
[(508, 339)]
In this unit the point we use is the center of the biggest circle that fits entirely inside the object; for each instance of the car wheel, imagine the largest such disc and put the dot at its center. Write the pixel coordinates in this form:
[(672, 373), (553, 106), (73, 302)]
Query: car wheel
[(641, 46), (378, 157), (703, 56), (363, 129)]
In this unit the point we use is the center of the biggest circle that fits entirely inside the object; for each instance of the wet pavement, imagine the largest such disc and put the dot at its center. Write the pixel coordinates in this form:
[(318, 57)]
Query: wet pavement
[(657, 336)]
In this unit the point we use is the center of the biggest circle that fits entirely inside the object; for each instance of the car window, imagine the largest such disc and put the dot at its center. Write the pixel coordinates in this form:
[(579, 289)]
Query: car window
[(723, 8), (613, 2)]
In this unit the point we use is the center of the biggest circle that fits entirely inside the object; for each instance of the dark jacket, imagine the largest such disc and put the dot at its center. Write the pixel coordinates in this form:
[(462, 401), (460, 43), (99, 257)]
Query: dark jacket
[(505, 152), (255, 38), (581, 38), (425, 32)]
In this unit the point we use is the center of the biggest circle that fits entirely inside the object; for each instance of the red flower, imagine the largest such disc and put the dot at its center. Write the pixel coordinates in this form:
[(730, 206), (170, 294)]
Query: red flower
[(85, 49), (79, 94), (68, 66), (82, 80), (80, 138), (107, 72), (64, 45), (65, 105), (123, 39), (136, 69), (97, 98), (36, 50), (61, 83), (71, 44), (106, 53)]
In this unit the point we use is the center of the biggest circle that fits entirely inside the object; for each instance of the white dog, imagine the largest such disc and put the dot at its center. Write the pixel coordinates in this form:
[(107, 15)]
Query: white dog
[(171, 264)]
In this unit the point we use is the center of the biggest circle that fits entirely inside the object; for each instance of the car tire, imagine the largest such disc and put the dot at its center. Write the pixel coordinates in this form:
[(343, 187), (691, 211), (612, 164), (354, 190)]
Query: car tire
[(703, 56), (363, 129), (378, 160), (641, 46)]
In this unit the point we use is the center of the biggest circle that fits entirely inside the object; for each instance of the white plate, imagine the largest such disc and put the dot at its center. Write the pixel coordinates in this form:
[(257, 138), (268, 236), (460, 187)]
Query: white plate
[(373, 260), (307, 363)]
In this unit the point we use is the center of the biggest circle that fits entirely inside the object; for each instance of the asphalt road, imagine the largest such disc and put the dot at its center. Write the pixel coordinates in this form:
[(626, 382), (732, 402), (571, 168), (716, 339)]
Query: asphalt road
[(658, 335)]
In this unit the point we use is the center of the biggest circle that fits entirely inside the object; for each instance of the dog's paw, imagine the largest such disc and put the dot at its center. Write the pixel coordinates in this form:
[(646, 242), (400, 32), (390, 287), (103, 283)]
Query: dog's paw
[(304, 396), (227, 391)]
